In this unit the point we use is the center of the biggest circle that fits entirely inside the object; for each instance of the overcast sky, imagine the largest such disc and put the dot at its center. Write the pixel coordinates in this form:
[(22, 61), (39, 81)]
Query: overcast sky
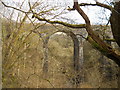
[(96, 14)]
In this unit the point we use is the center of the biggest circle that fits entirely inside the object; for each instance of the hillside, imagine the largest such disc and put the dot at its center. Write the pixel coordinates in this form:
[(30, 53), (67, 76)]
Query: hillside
[(24, 55)]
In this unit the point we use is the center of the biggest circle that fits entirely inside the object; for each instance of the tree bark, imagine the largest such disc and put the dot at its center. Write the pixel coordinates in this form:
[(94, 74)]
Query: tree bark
[(115, 22), (119, 78), (115, 26), (103, 47)]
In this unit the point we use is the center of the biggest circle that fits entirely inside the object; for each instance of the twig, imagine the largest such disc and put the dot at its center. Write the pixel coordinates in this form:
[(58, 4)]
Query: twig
[(13, 7), (82, 36)]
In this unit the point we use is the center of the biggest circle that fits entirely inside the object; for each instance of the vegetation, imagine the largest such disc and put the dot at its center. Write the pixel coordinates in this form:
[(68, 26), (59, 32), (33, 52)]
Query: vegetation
[(26, 71), (34, 55)]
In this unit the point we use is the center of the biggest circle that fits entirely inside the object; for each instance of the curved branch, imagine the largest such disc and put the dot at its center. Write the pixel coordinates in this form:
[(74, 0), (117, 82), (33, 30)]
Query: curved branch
[(104, 5), (60, 22), (97, 4), (94, 39)]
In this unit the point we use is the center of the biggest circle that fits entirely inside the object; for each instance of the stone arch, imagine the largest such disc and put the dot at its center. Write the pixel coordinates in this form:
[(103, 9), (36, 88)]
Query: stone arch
[(75, 51)]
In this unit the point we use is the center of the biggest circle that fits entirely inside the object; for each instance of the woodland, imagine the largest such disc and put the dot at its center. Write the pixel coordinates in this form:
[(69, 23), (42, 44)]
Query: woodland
[(43, 49)]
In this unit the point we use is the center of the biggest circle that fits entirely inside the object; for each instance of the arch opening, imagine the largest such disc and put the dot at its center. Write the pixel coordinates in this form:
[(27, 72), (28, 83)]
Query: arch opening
[(75, 40)]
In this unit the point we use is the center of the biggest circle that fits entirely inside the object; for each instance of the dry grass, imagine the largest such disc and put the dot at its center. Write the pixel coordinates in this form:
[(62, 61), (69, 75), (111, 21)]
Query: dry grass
[(23, 57)]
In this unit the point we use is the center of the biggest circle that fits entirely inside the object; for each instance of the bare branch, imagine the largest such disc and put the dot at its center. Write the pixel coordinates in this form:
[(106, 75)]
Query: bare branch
[(97, 4), (19, 14), (13, 7), (81, 36), (111, 40), (60, 22), (96, 41)]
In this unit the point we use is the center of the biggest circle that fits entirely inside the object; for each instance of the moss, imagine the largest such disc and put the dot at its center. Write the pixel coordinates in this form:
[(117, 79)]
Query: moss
[(96, 45), (59, 22)]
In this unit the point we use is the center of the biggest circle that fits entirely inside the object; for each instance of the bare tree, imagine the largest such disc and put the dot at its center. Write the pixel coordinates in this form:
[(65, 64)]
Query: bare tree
[(94, 39), (103, 47)]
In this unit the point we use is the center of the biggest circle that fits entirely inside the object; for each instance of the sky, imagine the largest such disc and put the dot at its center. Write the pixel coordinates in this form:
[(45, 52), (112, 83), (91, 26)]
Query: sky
[(97, 15)]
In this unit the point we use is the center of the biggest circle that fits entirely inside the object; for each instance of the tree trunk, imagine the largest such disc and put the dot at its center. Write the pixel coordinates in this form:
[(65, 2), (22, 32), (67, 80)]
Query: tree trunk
[(115, 22), (115, 25), (119, 77)]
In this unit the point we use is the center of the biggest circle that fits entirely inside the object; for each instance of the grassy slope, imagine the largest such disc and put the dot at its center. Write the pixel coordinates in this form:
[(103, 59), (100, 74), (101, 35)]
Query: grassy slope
[(27, 55)]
